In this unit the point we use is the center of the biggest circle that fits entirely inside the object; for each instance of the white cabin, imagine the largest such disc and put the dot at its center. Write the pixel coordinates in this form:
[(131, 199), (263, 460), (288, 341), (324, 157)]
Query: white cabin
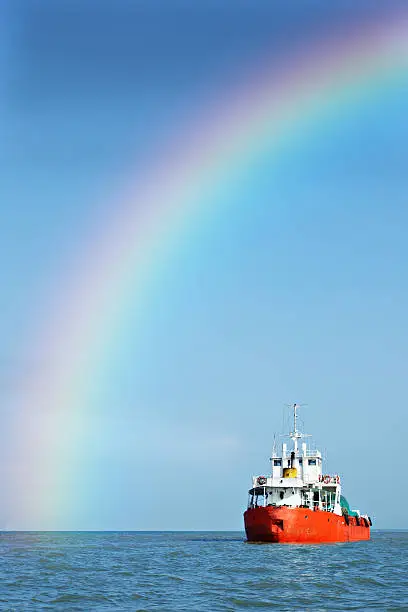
[(296, 479)]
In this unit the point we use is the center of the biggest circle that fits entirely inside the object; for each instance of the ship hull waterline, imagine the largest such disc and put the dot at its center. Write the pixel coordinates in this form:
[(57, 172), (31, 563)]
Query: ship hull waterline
[(302, 526)]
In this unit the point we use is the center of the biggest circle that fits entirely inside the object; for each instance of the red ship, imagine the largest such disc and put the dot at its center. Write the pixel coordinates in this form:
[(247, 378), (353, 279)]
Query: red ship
[(297, 503)]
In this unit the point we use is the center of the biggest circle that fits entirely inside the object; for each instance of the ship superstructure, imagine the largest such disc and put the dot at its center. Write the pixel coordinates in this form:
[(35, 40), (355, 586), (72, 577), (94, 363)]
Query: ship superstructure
[(298, 502)]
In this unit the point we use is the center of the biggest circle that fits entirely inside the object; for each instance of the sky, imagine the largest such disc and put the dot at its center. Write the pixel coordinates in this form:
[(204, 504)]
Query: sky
[(287, 285)]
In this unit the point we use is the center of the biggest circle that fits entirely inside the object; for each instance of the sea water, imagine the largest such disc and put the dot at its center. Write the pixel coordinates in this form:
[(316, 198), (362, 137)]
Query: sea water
[(206, 571)]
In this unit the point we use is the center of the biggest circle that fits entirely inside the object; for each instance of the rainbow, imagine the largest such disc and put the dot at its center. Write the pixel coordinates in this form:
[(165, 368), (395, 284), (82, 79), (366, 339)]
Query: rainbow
[(269, 106)]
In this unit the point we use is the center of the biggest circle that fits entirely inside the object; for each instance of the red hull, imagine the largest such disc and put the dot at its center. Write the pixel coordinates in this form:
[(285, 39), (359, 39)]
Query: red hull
[(302, 525)]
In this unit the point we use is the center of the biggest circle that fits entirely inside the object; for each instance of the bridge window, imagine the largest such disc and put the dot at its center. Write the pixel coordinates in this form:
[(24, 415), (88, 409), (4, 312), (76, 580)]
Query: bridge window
[(312, 461), (277, 462)]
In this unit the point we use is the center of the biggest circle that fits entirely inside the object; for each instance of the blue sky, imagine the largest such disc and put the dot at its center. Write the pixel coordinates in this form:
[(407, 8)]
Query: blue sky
[(294, 290)]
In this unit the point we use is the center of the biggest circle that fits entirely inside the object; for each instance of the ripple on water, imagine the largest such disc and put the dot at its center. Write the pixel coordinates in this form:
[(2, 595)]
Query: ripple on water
[(174, 572), (74, 598)]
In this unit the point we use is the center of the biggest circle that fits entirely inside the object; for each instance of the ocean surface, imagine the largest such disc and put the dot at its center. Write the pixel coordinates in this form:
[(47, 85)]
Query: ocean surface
[(196, 571)]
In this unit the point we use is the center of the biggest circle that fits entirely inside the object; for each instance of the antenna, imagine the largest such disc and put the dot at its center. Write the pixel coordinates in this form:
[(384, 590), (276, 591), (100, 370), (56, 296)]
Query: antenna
[(274, 445), (295, 415), (295, 435), (295, 409)]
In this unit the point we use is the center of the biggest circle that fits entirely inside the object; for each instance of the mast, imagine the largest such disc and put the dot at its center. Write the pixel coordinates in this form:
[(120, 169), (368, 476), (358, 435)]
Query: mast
[(295, 407), (295, 435)]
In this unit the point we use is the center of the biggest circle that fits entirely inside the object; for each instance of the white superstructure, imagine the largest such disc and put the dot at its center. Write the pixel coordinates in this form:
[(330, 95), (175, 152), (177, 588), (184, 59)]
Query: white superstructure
[(296, 479)]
